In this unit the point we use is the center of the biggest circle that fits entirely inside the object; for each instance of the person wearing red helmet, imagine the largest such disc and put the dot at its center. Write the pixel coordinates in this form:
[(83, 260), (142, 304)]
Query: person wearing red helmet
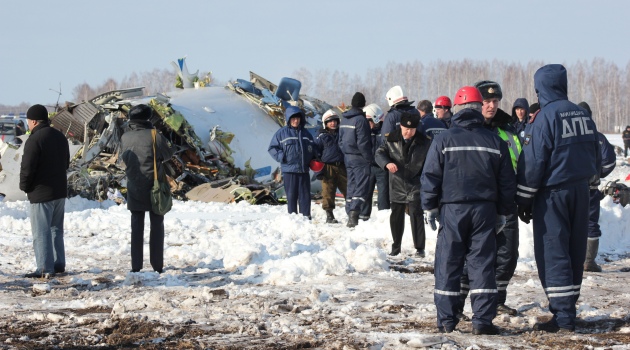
[(442, 110), (466, 154), (333, 175)]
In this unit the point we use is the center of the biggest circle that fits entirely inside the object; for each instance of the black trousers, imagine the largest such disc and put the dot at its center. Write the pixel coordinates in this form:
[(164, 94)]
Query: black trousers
[(156, 240), (397, 224)]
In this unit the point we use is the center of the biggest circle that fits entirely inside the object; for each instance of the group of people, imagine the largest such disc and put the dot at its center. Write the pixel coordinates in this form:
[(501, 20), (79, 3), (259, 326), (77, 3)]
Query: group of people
[(476, 170), (472, 167)]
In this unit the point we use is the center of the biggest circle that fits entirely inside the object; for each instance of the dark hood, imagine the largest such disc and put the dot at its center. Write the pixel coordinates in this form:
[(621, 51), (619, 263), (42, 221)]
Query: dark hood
[(467, 118), (522, 103), (550, 82), (139, 125), (291, 111)]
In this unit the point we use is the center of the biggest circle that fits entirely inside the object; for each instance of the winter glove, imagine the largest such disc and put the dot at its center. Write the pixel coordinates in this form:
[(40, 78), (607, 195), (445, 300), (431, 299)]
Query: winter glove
[(501, 221), (431, 216), (525, 213)]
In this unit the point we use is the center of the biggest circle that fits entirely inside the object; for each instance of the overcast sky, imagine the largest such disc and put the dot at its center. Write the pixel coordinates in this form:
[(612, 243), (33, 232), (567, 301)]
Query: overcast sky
[(44, 43)]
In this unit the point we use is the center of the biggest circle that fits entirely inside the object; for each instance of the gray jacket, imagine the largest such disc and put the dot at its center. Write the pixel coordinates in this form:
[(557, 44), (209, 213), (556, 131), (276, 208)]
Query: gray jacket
[(137, 154)]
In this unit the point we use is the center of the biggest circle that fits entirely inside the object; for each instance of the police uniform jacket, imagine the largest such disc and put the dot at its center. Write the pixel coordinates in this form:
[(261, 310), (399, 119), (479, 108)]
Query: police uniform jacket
[(292, 147), (44, 163), (560, 144), (354, 138), (468, 163), (404, 184)]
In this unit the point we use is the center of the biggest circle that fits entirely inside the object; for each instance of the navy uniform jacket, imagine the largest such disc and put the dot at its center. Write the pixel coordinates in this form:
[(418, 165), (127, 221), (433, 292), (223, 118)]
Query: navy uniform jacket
[(609, 159), (328, 146), (432, 126), (468, 163), (293, 148), (560, 144), (355, 138)]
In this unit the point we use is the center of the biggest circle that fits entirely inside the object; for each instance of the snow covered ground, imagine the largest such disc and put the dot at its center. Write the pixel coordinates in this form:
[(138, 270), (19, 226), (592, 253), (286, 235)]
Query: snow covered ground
[(243, 276)]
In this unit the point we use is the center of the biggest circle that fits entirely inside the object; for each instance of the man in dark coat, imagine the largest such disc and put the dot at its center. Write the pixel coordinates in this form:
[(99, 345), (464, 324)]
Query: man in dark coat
[(497, 121), (356, 144), (403, 155), (137, 154), (333, 175), (609, 161), (520, 116), (467, 154), (43, 177), (625, 135), (293, 147), (560, 155)]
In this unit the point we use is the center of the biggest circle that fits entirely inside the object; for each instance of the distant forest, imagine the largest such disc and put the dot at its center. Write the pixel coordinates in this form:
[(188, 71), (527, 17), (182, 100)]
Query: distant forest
[(601, 83)]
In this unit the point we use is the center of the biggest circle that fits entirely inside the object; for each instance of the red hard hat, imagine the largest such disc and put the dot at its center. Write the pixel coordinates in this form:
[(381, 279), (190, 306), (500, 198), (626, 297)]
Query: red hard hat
[(443, 101), (316, 165), (467, 94)]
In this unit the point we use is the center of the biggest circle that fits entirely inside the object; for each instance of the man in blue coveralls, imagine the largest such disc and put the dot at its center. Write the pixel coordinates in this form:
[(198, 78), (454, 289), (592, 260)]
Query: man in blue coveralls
[(560, 154)]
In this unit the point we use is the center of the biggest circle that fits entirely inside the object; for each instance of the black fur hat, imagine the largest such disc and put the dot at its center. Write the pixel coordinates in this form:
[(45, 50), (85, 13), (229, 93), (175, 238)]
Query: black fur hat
[(409, 120), (140, 112), (489, 89)]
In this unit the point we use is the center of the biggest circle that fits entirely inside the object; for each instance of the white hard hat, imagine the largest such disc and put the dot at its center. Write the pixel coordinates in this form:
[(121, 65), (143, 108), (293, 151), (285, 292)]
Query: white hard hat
[(329, 115), (373, 111), (395, 95)]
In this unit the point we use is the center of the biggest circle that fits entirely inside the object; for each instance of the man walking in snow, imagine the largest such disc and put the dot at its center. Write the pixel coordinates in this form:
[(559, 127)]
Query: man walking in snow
[(560, 156), (43, 177), (356, 144)]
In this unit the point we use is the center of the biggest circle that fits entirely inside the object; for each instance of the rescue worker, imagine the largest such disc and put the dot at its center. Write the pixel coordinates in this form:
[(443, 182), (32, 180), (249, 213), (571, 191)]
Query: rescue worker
[(465, 154), (293, 147), (430, 125), (560, 155), (378, 176), (625, 135), (398, 103), (442, 110), (609, 161), (497, 121), (356, 144), (520, 116), (403, 155), (333, 175)]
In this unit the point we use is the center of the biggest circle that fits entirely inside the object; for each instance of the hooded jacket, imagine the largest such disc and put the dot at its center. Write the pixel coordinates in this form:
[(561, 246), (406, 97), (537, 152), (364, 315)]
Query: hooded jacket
[(137, 154), (519, 126), (404, 184), (468, 163), (392, 119), (292, 147), (355, 138), (560, 144), (44, 163)]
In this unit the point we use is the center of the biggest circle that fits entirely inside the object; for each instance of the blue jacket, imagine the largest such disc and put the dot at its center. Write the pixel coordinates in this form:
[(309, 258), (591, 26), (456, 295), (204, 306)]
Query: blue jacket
[(432, 126), (560, 144), (355, 138), (392, 119), (609, 158), (327, 142), (519, 126), (293, 148), (377, 140), (468, 163)]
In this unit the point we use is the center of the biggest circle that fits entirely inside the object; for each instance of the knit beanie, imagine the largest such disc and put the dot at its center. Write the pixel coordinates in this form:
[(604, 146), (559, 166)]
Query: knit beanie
[(489, 89), (140, 112), (358, 100), (585, 106), (37, 112)]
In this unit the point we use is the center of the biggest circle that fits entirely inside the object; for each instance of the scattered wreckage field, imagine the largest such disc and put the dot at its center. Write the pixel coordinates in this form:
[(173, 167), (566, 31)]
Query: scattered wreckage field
[(279, 317)]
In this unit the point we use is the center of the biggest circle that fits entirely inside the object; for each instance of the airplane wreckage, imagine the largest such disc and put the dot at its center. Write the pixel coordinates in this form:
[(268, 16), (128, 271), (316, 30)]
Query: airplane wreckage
[(221, 136)]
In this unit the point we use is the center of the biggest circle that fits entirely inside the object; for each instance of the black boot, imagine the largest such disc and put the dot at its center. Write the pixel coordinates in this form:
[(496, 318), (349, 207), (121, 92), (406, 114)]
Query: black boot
[(353, 218), (591, 253), (330, 218)]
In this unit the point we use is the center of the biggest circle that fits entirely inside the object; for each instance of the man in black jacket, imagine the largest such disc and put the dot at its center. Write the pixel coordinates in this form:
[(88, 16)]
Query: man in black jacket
[(43, 177), (137, 153), (403, 155)]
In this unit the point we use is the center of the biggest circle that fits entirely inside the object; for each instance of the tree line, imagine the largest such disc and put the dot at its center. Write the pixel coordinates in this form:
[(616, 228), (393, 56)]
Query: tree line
[(601, 83)]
